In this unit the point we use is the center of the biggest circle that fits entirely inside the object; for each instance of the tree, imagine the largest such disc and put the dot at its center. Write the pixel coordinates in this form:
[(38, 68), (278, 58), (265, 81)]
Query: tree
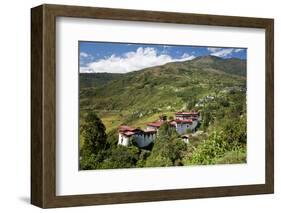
[(166, 131), (158, 161), (235, 130), (207, 117), (121, 157), (94, 134), (168, 148), (209, 150)]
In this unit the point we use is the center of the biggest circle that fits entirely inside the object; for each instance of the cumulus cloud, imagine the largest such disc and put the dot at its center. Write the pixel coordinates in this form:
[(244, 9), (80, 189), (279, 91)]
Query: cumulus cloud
[(223, 52), (132, 61), (213, 49)]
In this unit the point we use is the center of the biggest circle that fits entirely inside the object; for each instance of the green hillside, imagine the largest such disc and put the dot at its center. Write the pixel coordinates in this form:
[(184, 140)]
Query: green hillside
[(137, 97), (87, 80), (230, 65), (213, 86)]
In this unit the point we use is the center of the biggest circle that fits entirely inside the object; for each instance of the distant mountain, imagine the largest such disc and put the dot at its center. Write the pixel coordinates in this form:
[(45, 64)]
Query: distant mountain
[(229, 65), (167, 88)]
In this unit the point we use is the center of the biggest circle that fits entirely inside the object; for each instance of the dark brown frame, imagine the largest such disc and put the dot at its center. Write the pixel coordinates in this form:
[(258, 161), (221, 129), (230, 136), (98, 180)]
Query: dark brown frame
[(43, 105)]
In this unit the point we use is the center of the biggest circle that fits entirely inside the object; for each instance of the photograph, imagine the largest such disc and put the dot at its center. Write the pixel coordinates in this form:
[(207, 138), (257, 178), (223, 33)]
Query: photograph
[(160, 105), (140, 105)]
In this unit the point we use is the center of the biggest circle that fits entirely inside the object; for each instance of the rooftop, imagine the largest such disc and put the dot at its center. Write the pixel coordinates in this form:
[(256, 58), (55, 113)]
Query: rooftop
[(126, 128), (155, 124), (187, 113)]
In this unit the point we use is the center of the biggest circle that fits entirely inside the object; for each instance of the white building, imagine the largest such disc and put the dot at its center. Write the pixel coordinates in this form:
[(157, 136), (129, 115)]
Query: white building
[(143, 138), (182, 125), (187, 115), (154, 126), (184, 121)]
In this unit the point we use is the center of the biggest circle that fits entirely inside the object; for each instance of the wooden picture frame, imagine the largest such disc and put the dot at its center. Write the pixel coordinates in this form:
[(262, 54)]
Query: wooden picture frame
[(43, 105)]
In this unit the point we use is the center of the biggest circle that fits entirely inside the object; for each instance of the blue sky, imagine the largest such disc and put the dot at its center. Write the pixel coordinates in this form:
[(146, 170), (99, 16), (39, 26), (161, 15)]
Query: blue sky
[(125, 57)]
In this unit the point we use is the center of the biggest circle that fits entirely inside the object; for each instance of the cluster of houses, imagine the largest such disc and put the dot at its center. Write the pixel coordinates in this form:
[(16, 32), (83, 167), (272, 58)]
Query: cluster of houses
[(183, 122)]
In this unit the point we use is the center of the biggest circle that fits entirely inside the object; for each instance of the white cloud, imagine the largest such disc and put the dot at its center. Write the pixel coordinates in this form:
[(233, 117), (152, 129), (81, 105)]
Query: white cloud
[(84, 55), (213, 49), (185, 57), (223, 52), (238, 50), (85, 70), (132, 61)]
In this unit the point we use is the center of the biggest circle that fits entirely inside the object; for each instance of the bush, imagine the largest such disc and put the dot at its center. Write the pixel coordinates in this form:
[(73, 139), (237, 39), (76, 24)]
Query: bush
[(158, 161), (121, 157), (222, 144), (208, 151), (168, 148), (232, 157), (90, 161)]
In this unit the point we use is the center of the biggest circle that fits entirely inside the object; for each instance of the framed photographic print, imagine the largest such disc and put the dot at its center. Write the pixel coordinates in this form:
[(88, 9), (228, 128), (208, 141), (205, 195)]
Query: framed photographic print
[(136, 106)]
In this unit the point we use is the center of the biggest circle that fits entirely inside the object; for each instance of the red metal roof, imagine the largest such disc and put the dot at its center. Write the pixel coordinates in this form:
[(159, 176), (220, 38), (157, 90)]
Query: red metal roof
[(172, 122), (126, 128), (156, 124), (187, 113), (183, 121)]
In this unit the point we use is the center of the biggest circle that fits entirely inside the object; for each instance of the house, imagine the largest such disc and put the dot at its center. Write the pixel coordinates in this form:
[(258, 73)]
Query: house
[(125, 135), (186, 115), (154, 125), (128, 135), (183, 125), (183, 121)]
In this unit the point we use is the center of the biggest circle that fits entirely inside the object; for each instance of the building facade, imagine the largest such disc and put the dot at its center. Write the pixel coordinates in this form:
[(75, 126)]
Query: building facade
[(183, 122), (129, 136)]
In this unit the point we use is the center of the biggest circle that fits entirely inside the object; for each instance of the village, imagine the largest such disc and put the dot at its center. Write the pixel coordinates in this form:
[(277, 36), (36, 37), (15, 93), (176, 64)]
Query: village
[(183, 122)]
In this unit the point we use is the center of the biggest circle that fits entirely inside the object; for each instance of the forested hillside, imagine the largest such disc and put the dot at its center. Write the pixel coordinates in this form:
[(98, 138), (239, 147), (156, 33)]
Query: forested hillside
[(213, 86)]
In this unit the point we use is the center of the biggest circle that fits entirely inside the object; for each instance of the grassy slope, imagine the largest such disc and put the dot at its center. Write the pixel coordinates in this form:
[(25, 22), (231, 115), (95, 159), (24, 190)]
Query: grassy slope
[(139, 97)]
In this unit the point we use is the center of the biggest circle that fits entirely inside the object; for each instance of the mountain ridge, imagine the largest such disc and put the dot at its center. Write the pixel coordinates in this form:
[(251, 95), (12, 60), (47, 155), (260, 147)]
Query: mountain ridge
[(233, 66)]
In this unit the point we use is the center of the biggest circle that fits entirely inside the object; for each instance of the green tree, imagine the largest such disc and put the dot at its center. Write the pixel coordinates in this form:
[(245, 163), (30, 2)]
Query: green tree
[(158, 161), (121, 157), (235, 130), (91, 161), (207, 117), (94, 134), (168, 148), (209, 150)]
